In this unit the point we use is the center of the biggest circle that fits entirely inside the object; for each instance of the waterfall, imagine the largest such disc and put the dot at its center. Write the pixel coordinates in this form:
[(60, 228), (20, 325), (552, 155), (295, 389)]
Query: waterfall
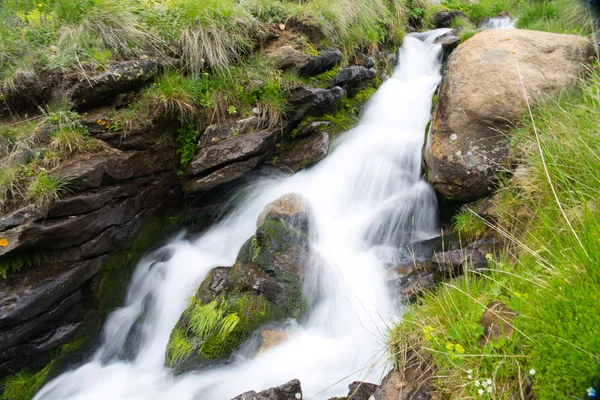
[(497, 23), (367, 198)]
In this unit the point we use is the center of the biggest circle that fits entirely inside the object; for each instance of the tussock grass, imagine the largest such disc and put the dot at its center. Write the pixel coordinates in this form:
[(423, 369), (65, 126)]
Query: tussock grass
[(559, 16), (549, 275)]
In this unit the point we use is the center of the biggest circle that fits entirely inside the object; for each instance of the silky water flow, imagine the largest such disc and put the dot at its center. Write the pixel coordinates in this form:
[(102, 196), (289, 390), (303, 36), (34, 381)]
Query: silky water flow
[(367, 199)]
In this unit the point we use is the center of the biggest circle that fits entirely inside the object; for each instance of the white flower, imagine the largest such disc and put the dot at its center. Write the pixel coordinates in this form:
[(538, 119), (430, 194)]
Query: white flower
[(484, 384), (489, 382), (532, 371), (489, 389), (470, 376), (477, 383), (480, 391), (469, 371)]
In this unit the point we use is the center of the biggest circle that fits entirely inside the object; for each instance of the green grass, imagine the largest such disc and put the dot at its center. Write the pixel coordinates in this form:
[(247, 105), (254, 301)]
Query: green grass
[(559, 16), (469, 226), (549, 274), (45, 188)]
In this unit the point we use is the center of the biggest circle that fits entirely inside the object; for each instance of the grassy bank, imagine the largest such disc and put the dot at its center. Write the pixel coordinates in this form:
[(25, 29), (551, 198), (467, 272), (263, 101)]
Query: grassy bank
[(543, 290)]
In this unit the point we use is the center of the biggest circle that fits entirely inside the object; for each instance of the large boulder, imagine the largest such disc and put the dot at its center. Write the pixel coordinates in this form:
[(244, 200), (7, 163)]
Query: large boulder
[(482, 95), (263, 286)]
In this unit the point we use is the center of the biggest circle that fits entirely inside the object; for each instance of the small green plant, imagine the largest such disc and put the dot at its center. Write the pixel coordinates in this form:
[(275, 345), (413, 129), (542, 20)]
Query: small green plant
[(187, 137), (232, 110), (179, 347), (45, 188), (469, 226), (14, 264)]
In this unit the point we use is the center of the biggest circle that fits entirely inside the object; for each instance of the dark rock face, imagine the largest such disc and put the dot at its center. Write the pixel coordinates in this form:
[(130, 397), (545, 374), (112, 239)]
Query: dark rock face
[(227, 152), (353, 78), (307, 101), (473, 257), (325, 61), (361, 390), (263, 286), (288, 391), (129, 75), (63, 247), (443, 19), (306, 152), (416, 282)]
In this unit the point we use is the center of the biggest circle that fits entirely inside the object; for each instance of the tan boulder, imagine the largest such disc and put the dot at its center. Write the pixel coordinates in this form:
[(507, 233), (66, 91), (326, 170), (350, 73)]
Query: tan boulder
[(288, 59), (288, 207), (271, 338), (482, 95)]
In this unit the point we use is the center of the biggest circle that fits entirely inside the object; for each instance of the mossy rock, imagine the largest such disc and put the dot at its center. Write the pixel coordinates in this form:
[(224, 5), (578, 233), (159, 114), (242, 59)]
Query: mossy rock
[(263, 286)]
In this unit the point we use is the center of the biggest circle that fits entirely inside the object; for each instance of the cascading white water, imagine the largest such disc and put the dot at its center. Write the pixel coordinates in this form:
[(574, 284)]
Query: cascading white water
[(498, 23), (366, 198)]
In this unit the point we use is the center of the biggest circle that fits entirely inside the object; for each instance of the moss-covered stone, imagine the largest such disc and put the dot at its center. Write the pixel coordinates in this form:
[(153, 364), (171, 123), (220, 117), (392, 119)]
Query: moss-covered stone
[(233, 303)]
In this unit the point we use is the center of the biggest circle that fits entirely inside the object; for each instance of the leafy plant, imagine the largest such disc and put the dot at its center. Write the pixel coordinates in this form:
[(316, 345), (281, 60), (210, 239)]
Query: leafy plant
[(187, 137)]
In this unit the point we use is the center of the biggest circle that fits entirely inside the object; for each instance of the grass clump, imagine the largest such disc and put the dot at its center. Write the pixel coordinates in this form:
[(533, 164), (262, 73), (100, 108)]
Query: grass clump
[(45, 188), (558, 16), (23, 385), (549, 276), (469, 226)]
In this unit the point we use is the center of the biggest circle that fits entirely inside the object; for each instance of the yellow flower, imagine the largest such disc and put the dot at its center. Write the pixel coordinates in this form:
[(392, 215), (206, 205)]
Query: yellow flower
[(40, 4), (459, 349), (3, 242)]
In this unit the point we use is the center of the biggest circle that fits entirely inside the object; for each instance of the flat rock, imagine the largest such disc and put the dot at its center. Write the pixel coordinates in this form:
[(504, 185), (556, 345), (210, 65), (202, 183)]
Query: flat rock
[(306, 152), (239, 148), (353, 77), (125, 76), (224, 175)]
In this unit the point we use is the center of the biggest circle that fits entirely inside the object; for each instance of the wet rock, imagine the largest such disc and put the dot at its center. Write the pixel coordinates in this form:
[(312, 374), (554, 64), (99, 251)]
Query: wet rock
[(271, 338), (290, 208), (352, 79), (306, 152), (217, 133), (421, 279), (468, 141), (497, 321), (313, 127), (325, 61), (238, 148), (392, 59), (222, 176), (110, 167), (26, 295), (129, 75), (473, 257), (450, 40), (263, 286), (361, 390), (289, 391), (288, 59), (443, 19), (307, 101), (214, 284)]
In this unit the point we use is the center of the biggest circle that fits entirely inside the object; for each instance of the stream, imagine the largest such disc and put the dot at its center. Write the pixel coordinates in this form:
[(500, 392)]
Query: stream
[(367, 200)]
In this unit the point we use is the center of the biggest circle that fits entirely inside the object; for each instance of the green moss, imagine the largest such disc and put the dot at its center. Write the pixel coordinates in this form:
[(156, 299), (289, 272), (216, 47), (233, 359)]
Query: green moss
[(179, 347), (469, 226), (116, 272), (15, 263), (23, 385), (253, 312)]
